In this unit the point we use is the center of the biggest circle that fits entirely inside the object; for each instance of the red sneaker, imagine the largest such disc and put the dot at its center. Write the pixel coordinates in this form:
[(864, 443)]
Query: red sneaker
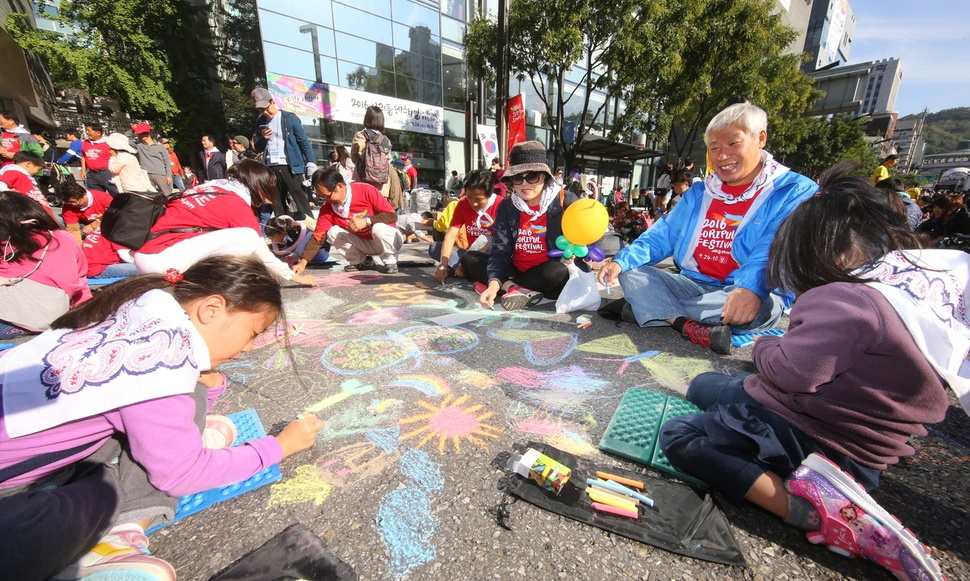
[(518, 297), (853, 524), (717, 338)]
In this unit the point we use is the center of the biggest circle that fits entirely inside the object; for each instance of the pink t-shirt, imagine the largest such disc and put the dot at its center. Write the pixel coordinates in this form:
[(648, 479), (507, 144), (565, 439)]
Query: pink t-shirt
[(64, 267)]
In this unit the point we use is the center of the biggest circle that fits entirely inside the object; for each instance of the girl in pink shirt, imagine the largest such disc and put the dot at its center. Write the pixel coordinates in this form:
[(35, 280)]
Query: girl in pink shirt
[(95, 449), (33, 247)]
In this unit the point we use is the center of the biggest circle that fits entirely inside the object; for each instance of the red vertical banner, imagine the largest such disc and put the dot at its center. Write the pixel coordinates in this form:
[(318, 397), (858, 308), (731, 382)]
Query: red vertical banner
[(514, 123)]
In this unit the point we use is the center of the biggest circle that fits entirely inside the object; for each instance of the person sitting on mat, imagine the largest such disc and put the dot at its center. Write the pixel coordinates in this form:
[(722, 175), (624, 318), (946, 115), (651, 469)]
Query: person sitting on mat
[(526, 228), (81, 209), (216, 217), (356, 220), (36, 251), (289, 238), (96, 449), (476, 212), (874, 338), (718, 235)]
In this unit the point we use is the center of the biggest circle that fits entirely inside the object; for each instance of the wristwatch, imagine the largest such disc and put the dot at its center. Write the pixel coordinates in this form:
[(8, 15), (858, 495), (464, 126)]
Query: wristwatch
[(369, 221)]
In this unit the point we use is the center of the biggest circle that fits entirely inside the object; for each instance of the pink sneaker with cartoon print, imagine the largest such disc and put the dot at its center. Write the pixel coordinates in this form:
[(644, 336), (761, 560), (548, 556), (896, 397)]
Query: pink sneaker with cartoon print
[(853, 524)]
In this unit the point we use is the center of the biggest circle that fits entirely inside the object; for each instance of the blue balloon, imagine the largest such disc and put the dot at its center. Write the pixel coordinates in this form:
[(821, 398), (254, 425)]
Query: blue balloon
[(595, 254), (555, 253)]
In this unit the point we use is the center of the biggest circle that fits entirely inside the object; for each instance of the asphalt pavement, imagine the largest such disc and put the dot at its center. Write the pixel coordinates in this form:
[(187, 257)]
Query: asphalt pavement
[(400, 485)]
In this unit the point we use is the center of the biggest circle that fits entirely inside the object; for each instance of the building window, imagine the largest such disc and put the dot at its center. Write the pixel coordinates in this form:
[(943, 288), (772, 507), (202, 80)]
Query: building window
[(379, 7), (286, 31), (454, 8), (416, 16), (318, 12), (362, 24)]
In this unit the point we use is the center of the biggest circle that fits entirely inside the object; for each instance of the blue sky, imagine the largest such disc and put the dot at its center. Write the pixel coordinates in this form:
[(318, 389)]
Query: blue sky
[(931, 37)]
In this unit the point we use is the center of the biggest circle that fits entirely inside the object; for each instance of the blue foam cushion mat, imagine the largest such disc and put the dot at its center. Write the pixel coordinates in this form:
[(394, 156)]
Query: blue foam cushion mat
[(5, 346), (745, 339), (248, 427)]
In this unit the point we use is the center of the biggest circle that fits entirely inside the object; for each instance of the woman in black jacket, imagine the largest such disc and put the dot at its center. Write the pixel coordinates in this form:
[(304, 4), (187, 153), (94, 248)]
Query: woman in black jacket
[(526, 227)]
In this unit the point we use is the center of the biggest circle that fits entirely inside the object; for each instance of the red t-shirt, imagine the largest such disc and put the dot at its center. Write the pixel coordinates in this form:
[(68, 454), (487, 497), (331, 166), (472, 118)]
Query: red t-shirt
[(18, 180), (713, 251), (467, 216), (100, 253), (413, 174), (96, 154), (364, 198), (10, 142), (209, 205), (98, 202), (530, 243)]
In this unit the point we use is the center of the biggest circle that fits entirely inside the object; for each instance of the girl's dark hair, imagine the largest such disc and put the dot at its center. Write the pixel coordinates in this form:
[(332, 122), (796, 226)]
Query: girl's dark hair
[(479, 180), (68, 189), (281, 225), (260, 182), (327, 177), (374, 118), (846, 226), (245, 283), (681, 176), (342, 154), (22, 220)]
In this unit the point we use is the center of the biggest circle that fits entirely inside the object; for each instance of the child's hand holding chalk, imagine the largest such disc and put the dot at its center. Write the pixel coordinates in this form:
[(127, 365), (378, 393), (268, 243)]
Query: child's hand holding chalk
[(299, 434)]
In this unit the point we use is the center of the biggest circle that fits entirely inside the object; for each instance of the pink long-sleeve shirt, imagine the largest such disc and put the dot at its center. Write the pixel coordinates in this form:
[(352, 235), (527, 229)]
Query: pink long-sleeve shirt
[(64, 267), (163, 438)]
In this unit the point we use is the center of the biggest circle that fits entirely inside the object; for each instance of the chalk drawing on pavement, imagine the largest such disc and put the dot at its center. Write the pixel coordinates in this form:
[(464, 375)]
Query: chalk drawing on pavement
[(566, 390), (475, 378), (359, 461), (348, 388), (435, 340), (541, 347), (429, 385), (674, 372), (568, 436), (379, 316), (367, 354), (305, 485), (405, 519), (356, 418), (451, 423)]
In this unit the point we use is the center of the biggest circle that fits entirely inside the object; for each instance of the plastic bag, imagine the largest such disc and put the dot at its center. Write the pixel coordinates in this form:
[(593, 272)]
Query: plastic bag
[(580, 292)]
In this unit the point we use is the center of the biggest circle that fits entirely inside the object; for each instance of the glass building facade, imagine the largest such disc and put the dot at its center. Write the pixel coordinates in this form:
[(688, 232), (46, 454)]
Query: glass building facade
[(409, 50), (412, 50)]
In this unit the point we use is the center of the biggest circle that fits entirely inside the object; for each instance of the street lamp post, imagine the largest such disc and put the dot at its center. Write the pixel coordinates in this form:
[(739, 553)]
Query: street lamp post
[(312, 30), (318, 89), (502, 80)]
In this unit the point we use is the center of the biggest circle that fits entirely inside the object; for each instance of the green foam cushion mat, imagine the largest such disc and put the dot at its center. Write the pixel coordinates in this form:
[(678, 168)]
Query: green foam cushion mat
[(634, 430)]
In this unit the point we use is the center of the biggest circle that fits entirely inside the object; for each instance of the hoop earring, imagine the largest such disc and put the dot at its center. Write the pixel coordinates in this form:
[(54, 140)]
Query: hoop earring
[(8, 251)]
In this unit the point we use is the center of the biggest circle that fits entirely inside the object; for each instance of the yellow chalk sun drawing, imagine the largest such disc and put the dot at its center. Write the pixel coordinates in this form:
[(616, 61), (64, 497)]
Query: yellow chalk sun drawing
[(451, 423)]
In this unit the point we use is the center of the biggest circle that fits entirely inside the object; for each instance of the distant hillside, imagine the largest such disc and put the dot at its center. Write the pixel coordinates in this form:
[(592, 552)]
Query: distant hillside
[(944, 129)]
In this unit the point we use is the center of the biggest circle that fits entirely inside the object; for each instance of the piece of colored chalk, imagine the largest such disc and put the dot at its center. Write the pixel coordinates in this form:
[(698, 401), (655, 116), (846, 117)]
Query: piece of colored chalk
[(615, 487), (619, 479), (617, 511), (613, 494), (602, 498)]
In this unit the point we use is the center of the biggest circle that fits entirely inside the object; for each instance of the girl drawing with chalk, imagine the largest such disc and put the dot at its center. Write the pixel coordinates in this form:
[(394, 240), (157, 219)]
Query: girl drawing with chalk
[(104, 420), (878, 329)]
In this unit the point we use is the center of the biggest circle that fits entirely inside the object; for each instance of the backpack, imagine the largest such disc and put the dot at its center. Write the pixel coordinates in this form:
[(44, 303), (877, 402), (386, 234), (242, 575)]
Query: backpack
[(374, 164), (129, 219)]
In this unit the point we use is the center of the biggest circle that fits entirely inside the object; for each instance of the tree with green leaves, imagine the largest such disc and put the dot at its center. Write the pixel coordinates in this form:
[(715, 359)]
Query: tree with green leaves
[(735, 51), (614, 43), (673, 64), (829, 141), (115, 51)]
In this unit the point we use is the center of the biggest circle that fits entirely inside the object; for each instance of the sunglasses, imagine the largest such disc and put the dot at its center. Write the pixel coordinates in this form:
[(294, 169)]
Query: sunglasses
[(533, 177)]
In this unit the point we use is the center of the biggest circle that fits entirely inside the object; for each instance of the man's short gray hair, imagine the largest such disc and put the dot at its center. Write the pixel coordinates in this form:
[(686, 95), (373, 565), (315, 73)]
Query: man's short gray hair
[(746, 116)]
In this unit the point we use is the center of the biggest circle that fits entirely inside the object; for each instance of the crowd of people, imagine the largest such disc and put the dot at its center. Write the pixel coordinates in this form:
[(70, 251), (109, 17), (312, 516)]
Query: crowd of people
[(93, 450)]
